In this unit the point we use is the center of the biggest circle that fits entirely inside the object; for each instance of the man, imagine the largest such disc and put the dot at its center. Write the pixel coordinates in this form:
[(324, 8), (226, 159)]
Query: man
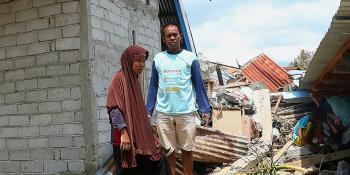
[(176, 87)]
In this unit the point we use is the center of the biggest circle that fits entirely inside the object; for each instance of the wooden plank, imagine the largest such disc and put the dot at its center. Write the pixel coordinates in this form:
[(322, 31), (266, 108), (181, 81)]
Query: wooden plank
[(318, 158), (282, 151), (277, 104)]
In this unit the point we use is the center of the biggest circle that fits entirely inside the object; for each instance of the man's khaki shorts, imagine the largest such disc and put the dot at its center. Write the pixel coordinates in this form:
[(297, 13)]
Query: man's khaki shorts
[(176, 131)]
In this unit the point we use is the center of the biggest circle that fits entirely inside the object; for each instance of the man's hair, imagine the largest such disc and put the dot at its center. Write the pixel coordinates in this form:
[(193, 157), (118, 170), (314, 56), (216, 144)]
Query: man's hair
[(167, 25)]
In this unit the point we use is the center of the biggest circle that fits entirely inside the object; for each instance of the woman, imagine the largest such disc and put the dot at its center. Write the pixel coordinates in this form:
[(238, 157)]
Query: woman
[(136, 149)]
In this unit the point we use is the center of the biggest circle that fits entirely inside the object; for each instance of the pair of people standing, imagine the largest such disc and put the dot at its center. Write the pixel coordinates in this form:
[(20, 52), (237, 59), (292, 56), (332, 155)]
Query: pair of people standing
[(176, 87)]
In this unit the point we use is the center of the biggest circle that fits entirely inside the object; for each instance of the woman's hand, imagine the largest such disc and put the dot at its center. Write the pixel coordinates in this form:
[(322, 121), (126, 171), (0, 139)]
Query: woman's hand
[(125, 141)]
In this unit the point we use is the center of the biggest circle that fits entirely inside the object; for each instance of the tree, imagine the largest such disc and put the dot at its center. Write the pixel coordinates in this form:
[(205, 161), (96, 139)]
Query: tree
[(302, 61), (207, 67)]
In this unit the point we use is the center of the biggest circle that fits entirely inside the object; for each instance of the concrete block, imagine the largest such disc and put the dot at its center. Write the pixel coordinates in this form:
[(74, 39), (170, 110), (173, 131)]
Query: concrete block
[(75, 92), (32, 96), (72, 129), (6, 65), (78, 117), (58, 93), (61, 141), (2, 53), (50, 10), (31, 108), (67, 19), (76, 166), (68, 43), (98, 11), (106, 4), (107, 26), (48, 82), (124, 22), (4, 121), (104, 137), (32, 166), (38, 143), (7, 18), (27, 84), (38, 3), (47, 58), (2, 99), (55, 166), (24, 62), (79, 141), (50, 34), (25, 38), (18, 120), (15, 28), (103, 125), (74, 68), (72, 153), (19, 155), (5, 8), (2, 143), (98, 35), (37, 24), (121, 31), (96, 22), (116, 10), (35, 72), (36, 48), (15, 75), (28, 131), (71, 30), (26, 15), (51, 130), (9, 40), (14, 98), (21, 5), (115, 40), (42, 154), (103, 115), (9, 132), (68, 56), (68, 105), (42, 119), (7, 88), (4, 155), (70, 7), (49, 107), (10, 166), (16, 144), (58, 70), (115, 19), (70, 81), (65, 117)]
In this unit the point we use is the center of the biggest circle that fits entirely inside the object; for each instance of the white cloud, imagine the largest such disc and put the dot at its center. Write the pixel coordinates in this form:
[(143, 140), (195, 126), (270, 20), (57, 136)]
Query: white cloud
[(253, 28)]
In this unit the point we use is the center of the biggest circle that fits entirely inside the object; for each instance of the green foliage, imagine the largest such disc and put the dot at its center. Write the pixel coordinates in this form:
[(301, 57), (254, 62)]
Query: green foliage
[(303, 60)]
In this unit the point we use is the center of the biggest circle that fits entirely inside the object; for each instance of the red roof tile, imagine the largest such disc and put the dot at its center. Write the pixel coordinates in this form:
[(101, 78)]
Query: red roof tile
[(263, 69)]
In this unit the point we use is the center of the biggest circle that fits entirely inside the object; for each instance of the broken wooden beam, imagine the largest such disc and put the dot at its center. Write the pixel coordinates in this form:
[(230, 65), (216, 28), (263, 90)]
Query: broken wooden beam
[(318, 158)]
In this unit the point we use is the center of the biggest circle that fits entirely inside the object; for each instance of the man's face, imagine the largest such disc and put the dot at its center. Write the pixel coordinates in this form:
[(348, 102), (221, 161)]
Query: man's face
[(172, 38), (139, 64)]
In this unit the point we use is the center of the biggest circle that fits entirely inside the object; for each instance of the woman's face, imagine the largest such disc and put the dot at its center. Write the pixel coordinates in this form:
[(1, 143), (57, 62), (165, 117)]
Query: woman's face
[(139, 64)]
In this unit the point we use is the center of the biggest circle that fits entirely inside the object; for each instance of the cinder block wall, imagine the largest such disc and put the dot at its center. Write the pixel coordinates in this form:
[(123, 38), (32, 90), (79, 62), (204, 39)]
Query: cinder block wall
[(56, 60), (115, 26)]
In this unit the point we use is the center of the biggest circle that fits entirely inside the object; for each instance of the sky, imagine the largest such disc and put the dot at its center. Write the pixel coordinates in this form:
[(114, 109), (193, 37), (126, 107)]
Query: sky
[(228, 30)]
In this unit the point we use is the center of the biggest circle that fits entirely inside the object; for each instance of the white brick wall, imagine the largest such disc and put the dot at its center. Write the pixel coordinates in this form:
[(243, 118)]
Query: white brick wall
[(41, 115)]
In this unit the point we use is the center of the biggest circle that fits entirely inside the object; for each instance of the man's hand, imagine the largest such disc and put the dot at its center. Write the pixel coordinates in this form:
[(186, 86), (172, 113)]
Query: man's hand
[(124, 139), (206, 119)]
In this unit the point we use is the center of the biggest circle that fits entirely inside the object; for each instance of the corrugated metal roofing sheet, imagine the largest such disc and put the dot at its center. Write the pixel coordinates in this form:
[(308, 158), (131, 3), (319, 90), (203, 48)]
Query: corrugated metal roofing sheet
[(263, 69), (336, 37)]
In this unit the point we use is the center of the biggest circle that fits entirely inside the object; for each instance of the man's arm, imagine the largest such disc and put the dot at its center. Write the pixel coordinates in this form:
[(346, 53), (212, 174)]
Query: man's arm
[(152, 90), (202, 98)]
